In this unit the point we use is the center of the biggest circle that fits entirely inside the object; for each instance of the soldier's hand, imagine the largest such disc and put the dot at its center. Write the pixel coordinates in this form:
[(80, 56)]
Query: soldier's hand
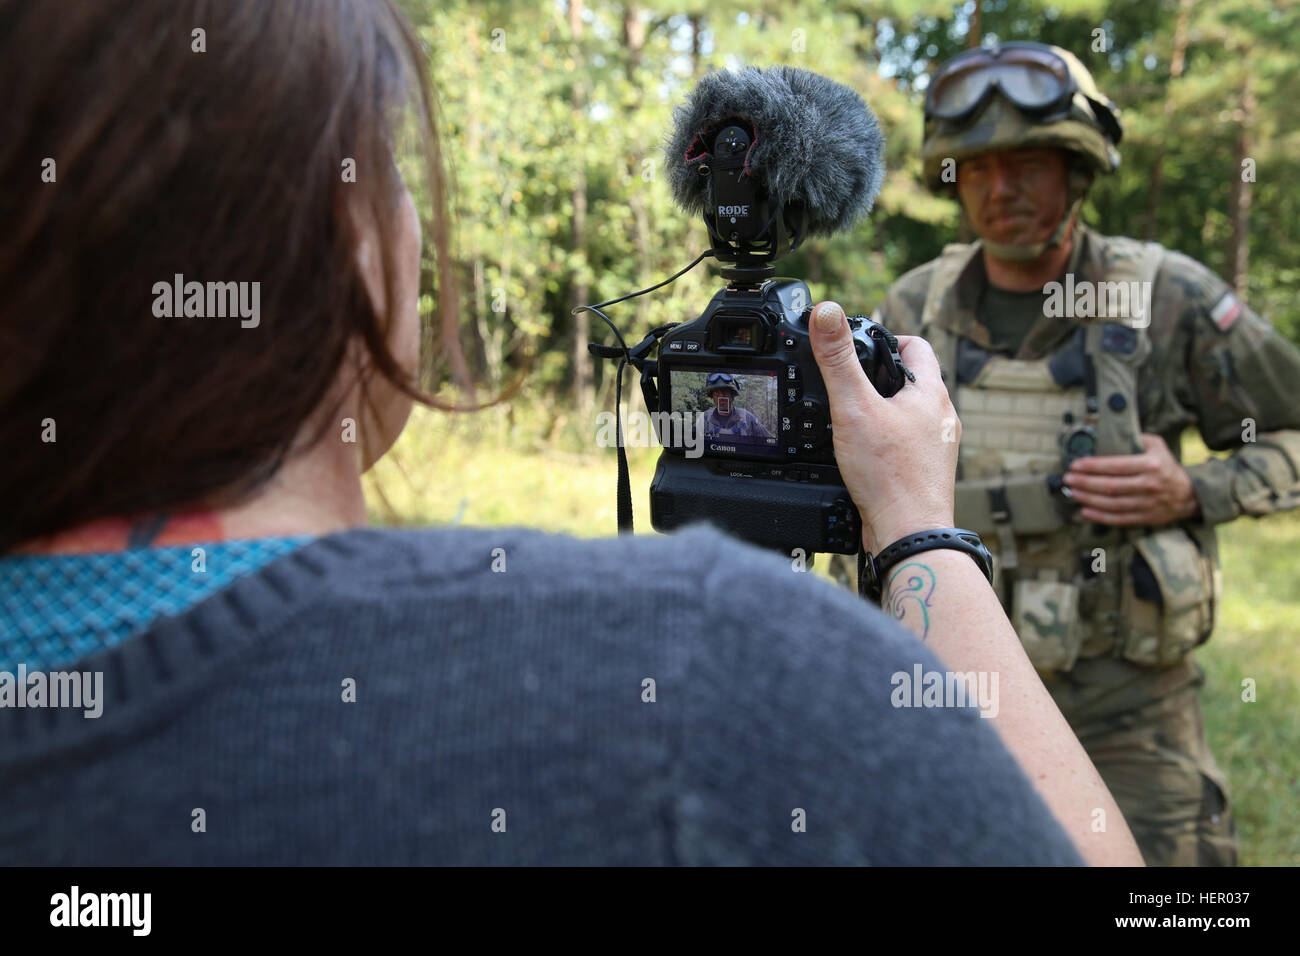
[(897, 455), (1147, 489)]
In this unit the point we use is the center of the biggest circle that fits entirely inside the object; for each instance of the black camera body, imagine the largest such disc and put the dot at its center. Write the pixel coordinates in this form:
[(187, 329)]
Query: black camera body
[(736, 395), (766, 473)]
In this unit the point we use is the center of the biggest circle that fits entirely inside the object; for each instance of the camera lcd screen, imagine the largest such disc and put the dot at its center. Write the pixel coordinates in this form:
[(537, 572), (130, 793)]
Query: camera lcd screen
[(738, 412)]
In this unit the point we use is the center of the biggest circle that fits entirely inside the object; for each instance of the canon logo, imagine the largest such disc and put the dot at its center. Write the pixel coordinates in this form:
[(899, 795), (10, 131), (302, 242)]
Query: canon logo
[(733, 210)]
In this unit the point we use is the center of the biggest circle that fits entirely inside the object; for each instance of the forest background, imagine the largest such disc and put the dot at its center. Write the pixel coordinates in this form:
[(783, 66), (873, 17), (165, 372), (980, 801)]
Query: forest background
[(553, 117)]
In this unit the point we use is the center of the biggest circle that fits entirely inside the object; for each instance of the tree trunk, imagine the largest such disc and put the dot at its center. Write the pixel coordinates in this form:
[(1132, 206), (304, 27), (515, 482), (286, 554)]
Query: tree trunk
[(580, 290), (696, 26), (474, 145), (634, 32), (1176, 65), (634, 37), (448, 305)]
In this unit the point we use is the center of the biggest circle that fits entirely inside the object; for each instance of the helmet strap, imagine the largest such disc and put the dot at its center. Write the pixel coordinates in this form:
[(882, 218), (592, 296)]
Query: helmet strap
[(1028, 251)]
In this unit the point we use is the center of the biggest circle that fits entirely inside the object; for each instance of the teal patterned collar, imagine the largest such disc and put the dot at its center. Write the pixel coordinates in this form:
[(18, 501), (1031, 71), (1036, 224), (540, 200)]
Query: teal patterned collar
[(58, 608)]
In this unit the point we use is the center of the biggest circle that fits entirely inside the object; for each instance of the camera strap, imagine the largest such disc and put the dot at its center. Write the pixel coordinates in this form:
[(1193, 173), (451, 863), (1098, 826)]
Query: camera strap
[(635, 357), (624, 479), (638, 358)]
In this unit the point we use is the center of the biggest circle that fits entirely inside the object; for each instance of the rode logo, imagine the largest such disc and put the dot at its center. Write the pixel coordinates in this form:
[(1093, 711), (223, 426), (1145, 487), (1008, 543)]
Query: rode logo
[(733, 210)]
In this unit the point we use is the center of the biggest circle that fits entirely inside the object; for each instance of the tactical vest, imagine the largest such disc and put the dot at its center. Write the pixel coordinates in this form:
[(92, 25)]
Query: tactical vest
[(1072, 589)]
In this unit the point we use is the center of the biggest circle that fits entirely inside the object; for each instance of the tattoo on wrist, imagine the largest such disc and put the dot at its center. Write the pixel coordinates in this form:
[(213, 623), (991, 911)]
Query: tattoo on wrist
[(909, 592)]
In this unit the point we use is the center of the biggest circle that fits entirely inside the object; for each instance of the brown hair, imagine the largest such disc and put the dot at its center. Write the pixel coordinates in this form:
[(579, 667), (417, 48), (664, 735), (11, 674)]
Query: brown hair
[(224, 166)]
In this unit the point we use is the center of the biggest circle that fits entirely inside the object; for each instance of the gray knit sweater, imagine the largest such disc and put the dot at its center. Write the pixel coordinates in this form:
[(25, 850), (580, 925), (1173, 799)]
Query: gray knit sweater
[(519, 698)]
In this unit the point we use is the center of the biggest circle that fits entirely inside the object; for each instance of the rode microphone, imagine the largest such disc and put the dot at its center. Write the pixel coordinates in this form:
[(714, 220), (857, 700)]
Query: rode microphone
[(779, 147)]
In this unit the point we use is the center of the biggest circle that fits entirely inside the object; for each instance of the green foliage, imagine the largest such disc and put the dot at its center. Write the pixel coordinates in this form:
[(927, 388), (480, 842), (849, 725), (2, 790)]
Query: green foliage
[(532, 113)]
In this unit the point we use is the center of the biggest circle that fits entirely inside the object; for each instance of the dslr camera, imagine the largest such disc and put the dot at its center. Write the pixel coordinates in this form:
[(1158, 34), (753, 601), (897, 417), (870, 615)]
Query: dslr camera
[(743, 414)]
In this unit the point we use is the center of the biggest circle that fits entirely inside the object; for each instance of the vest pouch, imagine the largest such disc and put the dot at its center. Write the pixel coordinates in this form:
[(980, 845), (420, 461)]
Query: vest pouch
[(1169, 598), (1034, 507), (1045, 615)]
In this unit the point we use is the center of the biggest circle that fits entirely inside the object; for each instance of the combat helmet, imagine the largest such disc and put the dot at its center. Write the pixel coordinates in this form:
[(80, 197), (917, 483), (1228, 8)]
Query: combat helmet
[(1017, 96), (720, 380)]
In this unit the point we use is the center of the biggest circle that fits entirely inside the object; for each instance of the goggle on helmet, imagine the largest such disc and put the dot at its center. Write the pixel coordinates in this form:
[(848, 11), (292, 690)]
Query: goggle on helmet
[(1047, 98), (720, 380), (1040, 80)]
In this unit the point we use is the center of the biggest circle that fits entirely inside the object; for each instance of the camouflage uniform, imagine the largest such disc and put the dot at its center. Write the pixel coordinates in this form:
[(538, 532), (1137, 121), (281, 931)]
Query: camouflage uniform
[(741, 423), (1118, 665), (1108, 615)]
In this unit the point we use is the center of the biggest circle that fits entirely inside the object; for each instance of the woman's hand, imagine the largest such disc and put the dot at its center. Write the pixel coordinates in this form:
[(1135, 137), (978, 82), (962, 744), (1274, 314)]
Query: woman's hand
[(897, 455)]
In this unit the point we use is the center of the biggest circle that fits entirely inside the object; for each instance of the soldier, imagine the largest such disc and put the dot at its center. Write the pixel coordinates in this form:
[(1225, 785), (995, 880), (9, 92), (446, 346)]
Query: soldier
[(726, 418), (1075, 361)]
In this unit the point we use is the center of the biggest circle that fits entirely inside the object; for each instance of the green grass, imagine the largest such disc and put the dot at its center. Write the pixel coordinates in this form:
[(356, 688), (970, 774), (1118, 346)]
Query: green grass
[(516, 466), (1258, 744)]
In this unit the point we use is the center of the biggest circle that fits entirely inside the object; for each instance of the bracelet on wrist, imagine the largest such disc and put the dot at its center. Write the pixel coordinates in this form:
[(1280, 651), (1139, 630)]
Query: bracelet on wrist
[(873, 569)]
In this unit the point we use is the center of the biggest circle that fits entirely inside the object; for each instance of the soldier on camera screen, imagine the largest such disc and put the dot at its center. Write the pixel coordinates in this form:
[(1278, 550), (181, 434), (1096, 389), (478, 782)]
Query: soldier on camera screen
[(726, 418)]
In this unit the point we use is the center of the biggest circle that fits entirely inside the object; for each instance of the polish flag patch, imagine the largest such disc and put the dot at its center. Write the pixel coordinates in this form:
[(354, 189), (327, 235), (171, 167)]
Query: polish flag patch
[(1226, 311)]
